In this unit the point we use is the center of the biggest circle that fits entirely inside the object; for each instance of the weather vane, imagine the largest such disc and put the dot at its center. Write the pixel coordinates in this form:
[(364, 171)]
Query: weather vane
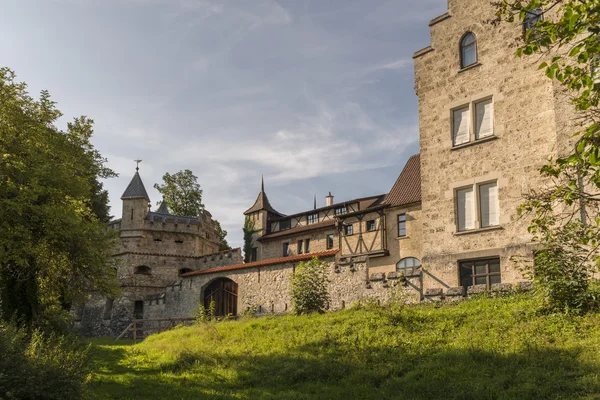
[(137, 165)]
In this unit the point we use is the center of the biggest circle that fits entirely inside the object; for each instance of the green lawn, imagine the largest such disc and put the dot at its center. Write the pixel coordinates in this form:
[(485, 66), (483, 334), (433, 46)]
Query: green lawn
[(479, 349)]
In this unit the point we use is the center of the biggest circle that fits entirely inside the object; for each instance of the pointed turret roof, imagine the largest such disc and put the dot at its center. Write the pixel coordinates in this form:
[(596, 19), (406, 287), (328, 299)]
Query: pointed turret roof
[(163, 209), (136, 189), (262, 202)]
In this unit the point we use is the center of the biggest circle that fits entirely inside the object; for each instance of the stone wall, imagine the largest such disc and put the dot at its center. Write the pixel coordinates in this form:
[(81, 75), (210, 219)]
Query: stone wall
[(524, 126), (267, 288)]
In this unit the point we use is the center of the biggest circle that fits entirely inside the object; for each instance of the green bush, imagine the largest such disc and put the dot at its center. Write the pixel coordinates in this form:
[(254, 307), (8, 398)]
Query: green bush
[(309, 287), (41, 366)]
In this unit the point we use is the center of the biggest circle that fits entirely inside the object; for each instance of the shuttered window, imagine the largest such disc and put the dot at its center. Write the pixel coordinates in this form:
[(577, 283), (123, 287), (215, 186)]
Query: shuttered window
[(465, 209), (461, 124), (484, 119), (488, 204)]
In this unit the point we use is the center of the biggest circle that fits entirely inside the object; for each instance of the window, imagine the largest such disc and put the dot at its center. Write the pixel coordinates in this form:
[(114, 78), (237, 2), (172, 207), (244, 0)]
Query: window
[(468, 50), (371, 225), (312, 218), (307, 246), (595, 69), (340, 210), (531, 18), (330, 241), (484, 115), (138, 309), (179, 241), (285, 224), (254, 255), (401, 225), (142, 270), (300, 246), (286, 249), (479, 115), (487, 204), (348, 230), (480, 272), (408, 265), (461, 125)]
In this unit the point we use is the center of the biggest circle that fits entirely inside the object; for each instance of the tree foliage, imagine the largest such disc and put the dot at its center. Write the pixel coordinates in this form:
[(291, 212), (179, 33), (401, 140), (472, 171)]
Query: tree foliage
[(309, 292), (248, 230), (181, 192), (54, 245), (565, 220)]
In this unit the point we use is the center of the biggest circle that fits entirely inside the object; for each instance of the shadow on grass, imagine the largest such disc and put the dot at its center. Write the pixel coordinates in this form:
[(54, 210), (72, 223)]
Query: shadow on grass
[(332, 370)]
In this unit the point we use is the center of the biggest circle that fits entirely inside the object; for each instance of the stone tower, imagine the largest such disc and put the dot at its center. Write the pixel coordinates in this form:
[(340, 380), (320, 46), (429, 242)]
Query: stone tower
[(261, 213)]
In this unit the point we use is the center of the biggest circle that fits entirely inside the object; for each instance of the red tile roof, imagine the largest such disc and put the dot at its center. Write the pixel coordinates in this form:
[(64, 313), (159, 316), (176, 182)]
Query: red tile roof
[(273, 261), (299, 229), (407, 189)]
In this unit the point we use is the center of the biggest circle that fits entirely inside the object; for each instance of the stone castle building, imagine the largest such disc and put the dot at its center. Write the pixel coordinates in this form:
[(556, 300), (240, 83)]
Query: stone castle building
[(448, 227)]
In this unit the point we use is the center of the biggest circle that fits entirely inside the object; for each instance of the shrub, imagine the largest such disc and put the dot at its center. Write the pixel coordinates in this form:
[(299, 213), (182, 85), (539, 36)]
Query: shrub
[(203, 314), (41, 366), (309, 287)]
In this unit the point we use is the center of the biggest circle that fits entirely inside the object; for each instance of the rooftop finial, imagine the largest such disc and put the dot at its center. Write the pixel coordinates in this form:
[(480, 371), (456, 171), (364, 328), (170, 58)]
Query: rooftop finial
[(315, 202), (137, 164), (262, 183)]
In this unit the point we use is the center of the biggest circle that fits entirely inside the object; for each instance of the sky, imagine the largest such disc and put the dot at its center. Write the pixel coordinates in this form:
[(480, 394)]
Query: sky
[(316, 95)]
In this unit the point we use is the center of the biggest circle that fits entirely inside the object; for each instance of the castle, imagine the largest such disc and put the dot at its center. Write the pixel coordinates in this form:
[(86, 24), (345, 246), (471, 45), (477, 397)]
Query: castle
[(448, 227)]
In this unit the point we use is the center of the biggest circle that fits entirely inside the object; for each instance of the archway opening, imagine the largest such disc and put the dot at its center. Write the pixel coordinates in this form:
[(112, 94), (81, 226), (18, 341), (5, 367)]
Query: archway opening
[(224, 293)]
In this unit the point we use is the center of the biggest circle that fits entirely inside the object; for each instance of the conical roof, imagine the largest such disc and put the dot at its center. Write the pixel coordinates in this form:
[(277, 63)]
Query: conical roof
[(163, 209), (262, 203), (135, 189)]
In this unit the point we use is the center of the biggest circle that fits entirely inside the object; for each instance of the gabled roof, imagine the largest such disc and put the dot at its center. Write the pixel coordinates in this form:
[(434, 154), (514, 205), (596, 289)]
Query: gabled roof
[(273, 261), (262, 203), (407, 189), (135, 189)]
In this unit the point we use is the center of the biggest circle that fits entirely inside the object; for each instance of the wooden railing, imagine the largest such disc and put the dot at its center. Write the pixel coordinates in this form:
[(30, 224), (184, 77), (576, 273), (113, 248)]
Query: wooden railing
[(140, 328)]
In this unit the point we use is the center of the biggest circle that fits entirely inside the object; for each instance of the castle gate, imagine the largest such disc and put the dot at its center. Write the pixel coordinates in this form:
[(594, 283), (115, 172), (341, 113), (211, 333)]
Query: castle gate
[(224, 292)]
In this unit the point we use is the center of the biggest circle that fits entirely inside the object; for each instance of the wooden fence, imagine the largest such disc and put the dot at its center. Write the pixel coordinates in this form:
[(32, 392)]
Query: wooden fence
[(140, 328)]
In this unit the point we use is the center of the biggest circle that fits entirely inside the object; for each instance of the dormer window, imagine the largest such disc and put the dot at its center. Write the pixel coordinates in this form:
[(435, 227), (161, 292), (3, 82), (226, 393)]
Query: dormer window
[(468, 50)]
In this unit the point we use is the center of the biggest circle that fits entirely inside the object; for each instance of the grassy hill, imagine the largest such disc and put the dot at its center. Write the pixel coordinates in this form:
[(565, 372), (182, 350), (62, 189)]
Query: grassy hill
[(479, 349)]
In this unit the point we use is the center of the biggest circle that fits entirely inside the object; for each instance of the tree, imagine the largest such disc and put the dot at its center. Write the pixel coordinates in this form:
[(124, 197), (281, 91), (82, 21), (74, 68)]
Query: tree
[(248, 230), (565, 220), (181, 192), (223, 245), (309, 287), (183, 196), (54, 245)]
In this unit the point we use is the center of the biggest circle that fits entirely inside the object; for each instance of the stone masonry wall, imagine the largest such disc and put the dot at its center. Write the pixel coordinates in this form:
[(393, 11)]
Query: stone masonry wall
[(524, 136)]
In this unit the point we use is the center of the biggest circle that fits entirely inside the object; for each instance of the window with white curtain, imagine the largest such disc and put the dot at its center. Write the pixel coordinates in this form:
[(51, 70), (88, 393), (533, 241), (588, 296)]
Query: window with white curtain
[(488, 205), (465, 209), (484, 119), (480, 212), (477, 116), (461, 125)]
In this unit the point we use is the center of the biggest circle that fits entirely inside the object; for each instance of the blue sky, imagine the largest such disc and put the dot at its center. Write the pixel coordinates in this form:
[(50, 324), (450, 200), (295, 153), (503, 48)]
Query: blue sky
[(316, 95)]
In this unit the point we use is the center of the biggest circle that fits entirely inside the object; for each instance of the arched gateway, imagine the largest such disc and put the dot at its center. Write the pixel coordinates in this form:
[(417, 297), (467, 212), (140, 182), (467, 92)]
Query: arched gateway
[(224, 293)]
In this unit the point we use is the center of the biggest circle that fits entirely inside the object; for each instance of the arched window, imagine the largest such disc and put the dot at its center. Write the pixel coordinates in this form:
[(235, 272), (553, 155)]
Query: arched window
[(142, 270), (184, 271), (408, 265), (468, 50)]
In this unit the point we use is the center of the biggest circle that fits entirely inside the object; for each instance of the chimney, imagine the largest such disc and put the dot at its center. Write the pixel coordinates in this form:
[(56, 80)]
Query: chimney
[(329, 200)]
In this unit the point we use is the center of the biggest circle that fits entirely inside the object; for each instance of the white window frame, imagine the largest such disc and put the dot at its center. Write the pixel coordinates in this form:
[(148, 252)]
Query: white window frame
[(473, 134), (477, 208)]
